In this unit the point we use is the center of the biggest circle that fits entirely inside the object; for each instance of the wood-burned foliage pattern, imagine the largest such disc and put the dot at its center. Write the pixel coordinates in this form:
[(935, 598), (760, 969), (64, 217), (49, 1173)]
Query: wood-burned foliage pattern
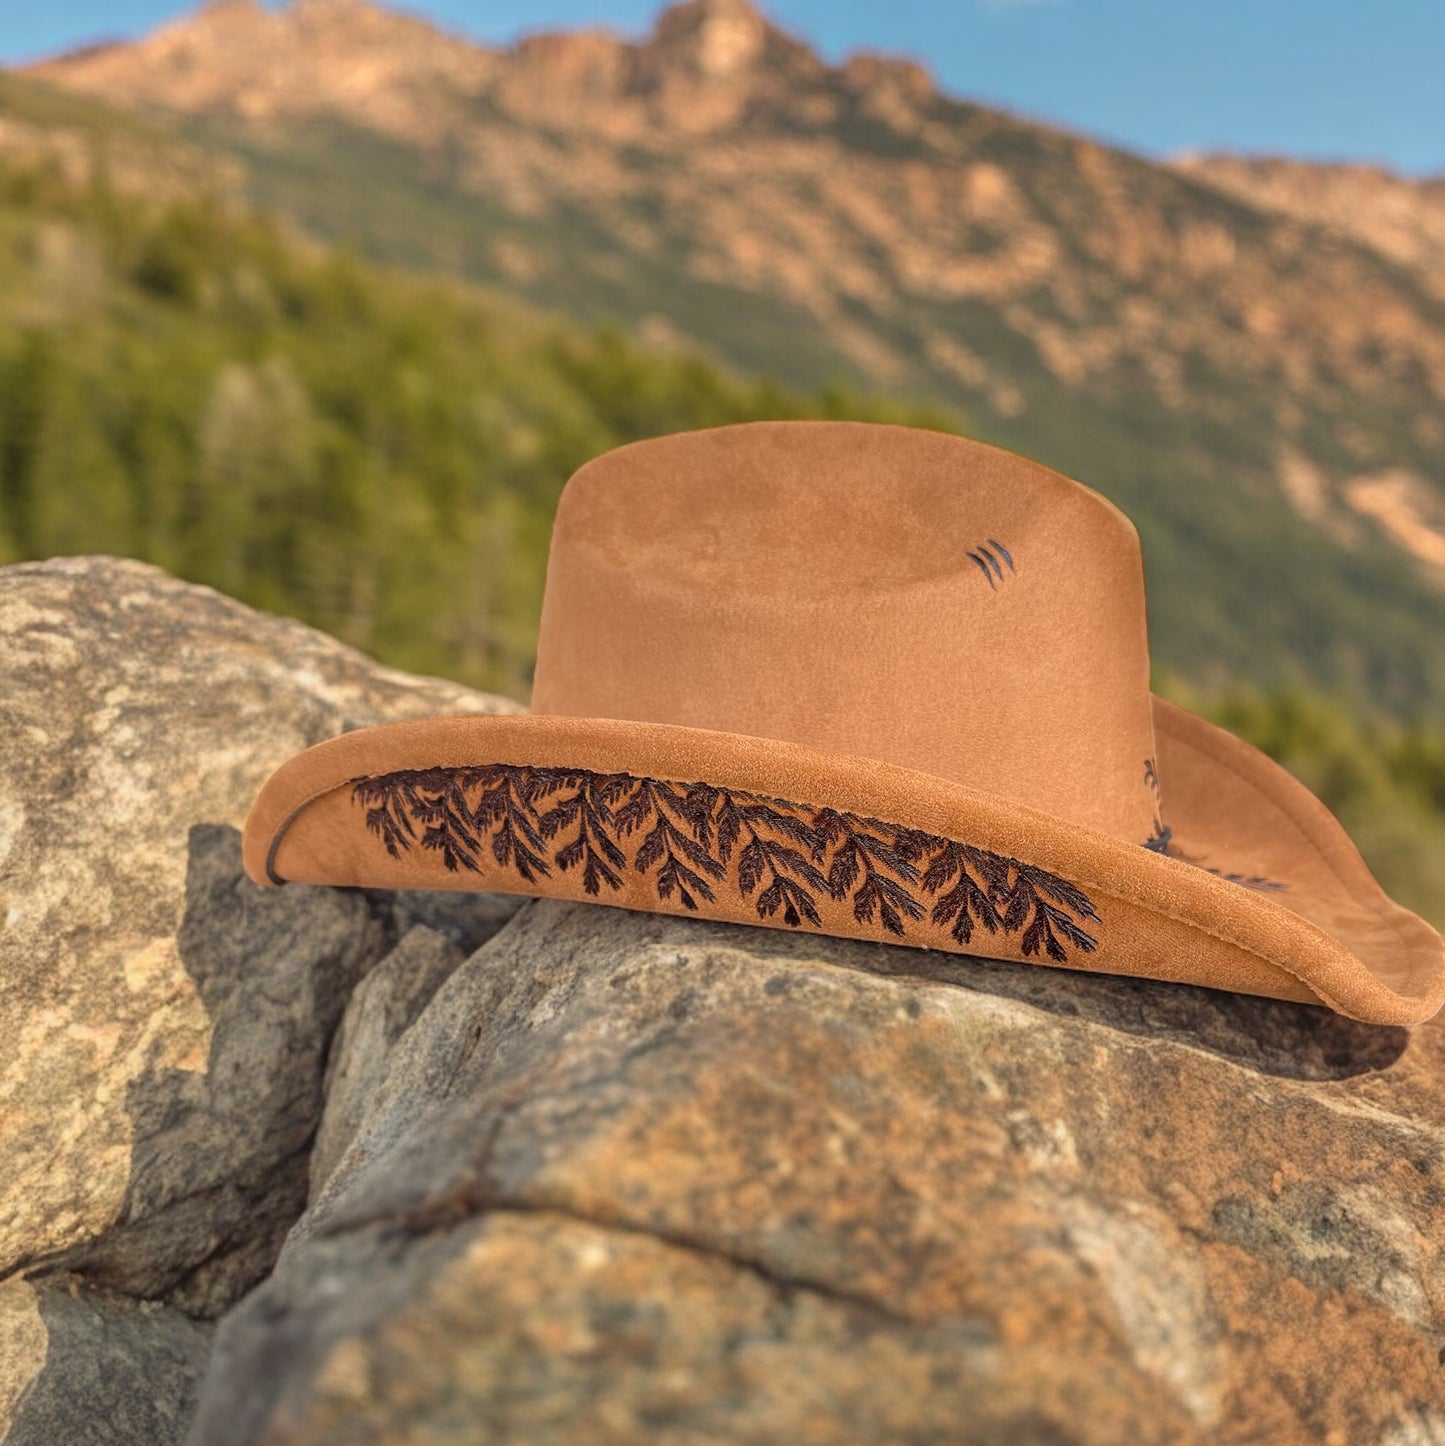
[(694, 840)]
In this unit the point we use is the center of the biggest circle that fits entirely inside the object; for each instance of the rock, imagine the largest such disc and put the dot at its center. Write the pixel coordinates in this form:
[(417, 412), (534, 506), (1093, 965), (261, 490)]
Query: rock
[(467, 919), (80, 1366), (218, 1159), (380, 1011), (537, 1327), (632, 1177), (164, 1023)]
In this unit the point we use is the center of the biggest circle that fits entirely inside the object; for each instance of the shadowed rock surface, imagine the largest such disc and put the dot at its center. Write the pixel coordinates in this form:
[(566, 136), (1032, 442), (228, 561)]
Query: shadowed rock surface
[(382, 1008), (114, 1369), (332, 1166)]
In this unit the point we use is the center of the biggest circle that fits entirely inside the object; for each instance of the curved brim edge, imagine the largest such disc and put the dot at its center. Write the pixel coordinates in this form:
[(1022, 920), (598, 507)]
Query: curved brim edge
[(1164, 918)]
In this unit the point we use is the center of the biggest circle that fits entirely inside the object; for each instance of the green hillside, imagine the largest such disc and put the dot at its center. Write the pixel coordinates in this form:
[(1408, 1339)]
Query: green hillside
[(375, 453)]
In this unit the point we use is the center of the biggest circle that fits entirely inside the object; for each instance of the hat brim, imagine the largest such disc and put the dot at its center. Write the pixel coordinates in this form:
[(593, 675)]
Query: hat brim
[(1262, 890)]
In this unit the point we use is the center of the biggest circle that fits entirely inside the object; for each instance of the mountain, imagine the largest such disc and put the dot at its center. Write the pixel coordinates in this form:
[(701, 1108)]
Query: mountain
[(1254, 372), (1402, 219)]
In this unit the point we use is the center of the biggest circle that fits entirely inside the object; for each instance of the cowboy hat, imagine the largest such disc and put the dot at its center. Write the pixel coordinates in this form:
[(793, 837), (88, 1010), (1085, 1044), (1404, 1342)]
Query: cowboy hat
[(869, 681)]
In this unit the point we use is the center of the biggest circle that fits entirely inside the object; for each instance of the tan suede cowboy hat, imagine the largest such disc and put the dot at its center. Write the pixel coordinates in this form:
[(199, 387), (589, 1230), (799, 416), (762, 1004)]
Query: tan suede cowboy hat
[(870, 681)]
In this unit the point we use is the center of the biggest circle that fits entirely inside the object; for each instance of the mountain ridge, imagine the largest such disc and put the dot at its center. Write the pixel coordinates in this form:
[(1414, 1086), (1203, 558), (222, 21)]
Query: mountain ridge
[(1401, 217)]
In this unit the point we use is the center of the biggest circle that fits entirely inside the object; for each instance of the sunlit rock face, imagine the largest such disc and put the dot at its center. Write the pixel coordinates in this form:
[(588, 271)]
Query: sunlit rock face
[(164, 1024)]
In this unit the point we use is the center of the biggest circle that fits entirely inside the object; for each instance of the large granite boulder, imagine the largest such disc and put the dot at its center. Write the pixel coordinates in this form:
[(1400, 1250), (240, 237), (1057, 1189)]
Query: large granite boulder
[(635, 1178), (345, 1166), (164, 1023)]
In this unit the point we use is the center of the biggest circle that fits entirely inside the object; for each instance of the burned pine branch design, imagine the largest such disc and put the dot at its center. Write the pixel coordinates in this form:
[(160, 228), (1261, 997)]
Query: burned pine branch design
[(669, 837), (696, 839), (861, 856), (589, 809)]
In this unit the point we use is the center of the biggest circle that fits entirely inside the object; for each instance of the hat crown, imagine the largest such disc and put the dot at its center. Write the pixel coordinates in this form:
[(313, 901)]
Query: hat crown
[(880, 591)]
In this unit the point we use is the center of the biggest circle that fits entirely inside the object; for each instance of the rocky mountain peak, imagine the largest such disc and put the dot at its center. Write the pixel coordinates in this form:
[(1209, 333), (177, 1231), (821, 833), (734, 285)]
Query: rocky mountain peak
[(229, 9), (343, 19), (866, 72), (717, 38), (330, 10), (350, 57), (219, 17)]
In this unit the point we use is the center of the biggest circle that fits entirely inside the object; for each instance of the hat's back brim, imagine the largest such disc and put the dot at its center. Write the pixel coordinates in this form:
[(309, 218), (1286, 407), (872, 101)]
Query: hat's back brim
[(1262, 890)]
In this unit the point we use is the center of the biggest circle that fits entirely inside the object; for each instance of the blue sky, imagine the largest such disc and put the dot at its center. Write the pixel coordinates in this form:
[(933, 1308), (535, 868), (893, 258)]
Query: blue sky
[(1324, 79)]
